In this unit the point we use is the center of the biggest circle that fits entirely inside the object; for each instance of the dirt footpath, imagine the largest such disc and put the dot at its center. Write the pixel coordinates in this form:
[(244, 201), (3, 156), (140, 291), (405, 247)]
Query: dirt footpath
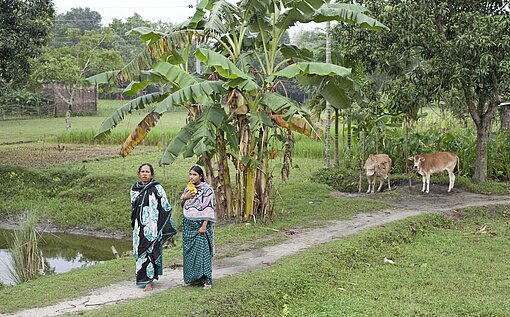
[(405, 203)]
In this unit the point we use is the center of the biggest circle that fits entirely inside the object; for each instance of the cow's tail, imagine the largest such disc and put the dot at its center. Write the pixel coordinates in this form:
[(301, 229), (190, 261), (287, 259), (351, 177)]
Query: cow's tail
[(458, 164)]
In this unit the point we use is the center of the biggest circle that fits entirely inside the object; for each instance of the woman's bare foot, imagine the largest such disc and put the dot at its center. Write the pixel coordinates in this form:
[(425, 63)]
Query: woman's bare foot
[(148, 287)]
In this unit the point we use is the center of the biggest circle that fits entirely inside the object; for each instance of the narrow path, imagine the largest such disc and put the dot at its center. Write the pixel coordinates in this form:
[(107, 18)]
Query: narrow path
[(413, 205)]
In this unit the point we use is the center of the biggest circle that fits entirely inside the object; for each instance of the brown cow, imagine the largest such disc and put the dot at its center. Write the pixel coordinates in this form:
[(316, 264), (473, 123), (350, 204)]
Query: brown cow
[(429, 163), (377, 165)]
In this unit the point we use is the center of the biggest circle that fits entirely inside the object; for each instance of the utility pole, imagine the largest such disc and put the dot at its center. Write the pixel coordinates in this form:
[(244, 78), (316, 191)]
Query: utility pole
[(327, 134), (197, 62)]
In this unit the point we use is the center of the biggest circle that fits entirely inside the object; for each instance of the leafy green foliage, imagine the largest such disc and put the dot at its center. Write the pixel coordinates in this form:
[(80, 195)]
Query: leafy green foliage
[(24, 30), (23, 103), (345, 180)]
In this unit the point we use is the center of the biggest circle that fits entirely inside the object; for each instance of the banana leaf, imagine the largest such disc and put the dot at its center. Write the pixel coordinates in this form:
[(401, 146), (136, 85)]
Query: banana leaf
[(139, 132)]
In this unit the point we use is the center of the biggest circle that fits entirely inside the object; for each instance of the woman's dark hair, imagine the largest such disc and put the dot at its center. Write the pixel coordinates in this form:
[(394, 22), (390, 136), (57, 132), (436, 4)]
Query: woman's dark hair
[(150, 167), (199, 170)]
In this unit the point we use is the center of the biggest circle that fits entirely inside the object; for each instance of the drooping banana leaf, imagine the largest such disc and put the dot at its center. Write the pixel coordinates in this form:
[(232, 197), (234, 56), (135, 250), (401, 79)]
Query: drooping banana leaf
[(310, 68), (281, 104), (221, 18), (177, 145), (221, 64), (139, 132), (259, 119), (295, 53), (320, 11), (294, 117), (148, 35), (349, 13), (109, 77), (298, 124), (197, 137), (340, 92), (174, 74), (104, 78), (139, 103), (201, 93), (134, 87), (165, 46)]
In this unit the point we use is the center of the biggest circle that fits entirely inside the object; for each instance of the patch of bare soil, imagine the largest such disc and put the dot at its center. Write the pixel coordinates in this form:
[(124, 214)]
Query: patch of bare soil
[(405, 197), (44, 154)]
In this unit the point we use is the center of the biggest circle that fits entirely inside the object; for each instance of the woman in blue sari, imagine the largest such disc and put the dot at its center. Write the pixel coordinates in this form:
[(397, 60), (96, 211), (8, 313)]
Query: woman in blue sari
[(199, 216), (151, 220)]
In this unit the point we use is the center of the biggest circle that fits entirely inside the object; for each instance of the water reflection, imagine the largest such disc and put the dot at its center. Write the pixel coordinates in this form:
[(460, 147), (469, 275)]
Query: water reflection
[(63, 252)]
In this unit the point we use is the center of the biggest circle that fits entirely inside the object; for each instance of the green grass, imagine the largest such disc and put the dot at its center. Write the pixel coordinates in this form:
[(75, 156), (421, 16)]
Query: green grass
[(48, 129), (98, 198), (95, 195), (447, 269)]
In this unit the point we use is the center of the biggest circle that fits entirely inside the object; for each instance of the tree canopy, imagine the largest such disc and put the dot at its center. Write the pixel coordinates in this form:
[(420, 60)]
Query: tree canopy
[(25, 26), (440, 51)]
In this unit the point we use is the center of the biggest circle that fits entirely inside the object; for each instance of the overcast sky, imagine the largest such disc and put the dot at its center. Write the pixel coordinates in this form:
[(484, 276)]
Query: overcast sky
[(174, 11)]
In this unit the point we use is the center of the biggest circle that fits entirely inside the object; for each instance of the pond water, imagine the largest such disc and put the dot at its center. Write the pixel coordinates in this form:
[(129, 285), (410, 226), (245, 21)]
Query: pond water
[(63, 252)]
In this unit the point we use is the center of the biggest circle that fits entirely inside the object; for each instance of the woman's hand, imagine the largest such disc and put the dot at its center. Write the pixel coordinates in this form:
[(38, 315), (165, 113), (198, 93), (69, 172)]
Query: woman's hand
[(203, 227), (187, 195)]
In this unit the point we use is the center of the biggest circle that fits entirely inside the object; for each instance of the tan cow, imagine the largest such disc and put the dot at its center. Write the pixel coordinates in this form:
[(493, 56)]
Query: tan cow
[(429, 163), (377, 165)]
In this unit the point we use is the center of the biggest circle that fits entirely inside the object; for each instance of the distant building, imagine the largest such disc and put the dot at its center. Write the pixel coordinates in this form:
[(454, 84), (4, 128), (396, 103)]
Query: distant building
[(504, 115), (85, 99)]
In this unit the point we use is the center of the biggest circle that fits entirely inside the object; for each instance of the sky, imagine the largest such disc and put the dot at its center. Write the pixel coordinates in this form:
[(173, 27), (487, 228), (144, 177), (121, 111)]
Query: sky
[(174, 11)]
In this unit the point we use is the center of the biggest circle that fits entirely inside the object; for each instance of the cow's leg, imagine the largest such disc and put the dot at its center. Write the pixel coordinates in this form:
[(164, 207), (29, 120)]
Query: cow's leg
[(389, 185), (452, 180), (374, 178), (423, 177), (381, 181), (428, 182), (368, 179)]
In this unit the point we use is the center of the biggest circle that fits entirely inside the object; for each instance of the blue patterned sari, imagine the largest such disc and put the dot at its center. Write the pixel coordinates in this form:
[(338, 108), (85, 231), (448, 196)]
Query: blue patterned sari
[(151, 220)]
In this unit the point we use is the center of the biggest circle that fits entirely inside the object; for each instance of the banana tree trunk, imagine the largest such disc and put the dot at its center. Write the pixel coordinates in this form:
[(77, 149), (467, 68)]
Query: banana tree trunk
[(223, 185)]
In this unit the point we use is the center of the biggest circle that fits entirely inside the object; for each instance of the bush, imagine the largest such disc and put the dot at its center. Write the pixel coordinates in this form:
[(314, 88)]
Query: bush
[(342, 179), (22, 103)]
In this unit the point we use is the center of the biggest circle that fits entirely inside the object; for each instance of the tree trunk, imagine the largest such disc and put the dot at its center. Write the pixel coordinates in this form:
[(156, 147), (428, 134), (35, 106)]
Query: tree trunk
[(483, 121), (482, 138), (223, 184), (68, 120), (504, 114)]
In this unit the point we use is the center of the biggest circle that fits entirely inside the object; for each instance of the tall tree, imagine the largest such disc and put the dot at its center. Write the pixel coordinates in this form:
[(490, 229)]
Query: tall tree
[(128, 44), (238, 106), (24, 30), (446, 48), (70, 65), (81, 19)]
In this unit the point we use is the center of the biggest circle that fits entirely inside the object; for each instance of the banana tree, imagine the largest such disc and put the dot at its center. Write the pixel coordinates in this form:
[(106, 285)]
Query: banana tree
[(240, 113)]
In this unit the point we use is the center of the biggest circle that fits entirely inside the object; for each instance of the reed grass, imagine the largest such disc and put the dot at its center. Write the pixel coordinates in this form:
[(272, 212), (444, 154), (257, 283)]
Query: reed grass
[(26, 258)]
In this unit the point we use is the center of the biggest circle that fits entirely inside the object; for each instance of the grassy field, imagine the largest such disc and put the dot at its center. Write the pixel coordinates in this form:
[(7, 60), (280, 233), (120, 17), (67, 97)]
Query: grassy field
[(48, 129), (447, 269)]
